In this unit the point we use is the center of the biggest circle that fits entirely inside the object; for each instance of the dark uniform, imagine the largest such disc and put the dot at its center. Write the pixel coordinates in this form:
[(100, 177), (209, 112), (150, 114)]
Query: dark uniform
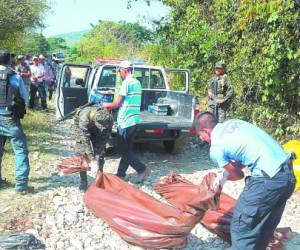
[(12, 108), (221, 88), (93, 127)]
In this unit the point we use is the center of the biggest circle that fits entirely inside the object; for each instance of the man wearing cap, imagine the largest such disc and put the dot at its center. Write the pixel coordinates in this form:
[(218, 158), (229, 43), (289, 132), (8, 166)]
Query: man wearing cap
[(24, 71), (220, 93), (37, 82), (11, 91), (93, 127), (129, 101)]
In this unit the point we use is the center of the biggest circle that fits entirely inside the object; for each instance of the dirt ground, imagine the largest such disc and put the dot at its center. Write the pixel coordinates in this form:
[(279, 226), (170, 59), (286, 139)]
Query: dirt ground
[(55, 213)]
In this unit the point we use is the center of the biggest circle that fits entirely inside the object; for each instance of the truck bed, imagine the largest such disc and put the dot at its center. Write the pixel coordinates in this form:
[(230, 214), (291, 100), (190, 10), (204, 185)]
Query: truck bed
[(152, 121)]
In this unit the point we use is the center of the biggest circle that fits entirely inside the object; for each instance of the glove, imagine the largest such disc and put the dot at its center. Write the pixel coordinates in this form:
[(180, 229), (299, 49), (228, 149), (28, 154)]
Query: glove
[(220, 180), (94, 166)]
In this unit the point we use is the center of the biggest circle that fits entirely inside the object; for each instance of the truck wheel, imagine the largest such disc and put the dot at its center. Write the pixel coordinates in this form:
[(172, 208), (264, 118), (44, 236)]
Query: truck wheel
[(169, 146)]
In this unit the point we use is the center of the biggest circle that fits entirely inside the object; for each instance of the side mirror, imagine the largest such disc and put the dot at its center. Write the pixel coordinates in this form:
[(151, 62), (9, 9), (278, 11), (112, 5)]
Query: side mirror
[(80, 82)]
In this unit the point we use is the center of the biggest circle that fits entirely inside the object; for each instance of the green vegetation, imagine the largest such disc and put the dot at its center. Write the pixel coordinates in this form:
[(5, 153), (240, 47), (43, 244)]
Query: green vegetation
[(258, 40), (16, 211), (71, 38), (56, 43), (17, 19), (110, 39)]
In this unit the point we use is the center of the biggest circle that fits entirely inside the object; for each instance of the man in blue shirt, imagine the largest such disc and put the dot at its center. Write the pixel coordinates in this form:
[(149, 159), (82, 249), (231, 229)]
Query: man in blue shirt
[(260, 206), (11, 86)]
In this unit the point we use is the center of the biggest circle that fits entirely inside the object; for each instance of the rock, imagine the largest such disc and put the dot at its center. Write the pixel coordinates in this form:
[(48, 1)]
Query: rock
[(71, 219), (35, 155), (71, 248), (77, 243), (32, 231), (57, 201), (50, 221), (60, 245)]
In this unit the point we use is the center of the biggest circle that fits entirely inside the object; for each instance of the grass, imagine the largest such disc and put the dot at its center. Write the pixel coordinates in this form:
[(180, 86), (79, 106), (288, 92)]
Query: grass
[(16, 211)]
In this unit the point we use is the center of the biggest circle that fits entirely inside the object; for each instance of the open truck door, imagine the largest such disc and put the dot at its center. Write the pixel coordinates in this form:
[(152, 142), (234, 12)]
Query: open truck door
[(72, 88), (178, 80)]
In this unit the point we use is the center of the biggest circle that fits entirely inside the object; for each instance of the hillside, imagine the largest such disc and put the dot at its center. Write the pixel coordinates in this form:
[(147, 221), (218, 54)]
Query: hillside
[(72, 37)]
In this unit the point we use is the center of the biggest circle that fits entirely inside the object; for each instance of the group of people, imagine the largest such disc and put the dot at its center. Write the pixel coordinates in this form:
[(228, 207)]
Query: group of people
[(39, 76), (21, 77), (94, 125), (232, 143)]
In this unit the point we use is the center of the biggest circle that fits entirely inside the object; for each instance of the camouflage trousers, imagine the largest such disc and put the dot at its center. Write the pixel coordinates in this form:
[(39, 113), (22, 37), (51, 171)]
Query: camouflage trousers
[(218, 112), (92, 133)]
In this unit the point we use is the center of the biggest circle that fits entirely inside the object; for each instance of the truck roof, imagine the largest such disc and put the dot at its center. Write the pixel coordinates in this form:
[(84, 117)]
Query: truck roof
[(134, 65)]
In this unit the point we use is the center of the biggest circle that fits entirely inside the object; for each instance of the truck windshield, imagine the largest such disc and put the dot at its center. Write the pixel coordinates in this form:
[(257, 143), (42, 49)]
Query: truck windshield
[(108, 77), (60, 55), (150, 78)]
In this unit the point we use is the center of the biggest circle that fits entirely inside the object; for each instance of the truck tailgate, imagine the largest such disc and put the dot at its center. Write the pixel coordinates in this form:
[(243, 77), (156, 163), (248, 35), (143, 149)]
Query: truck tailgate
[(151, 121)]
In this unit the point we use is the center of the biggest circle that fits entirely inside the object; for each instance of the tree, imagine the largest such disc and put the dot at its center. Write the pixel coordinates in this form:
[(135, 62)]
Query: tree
[(35, 44), (56, 43), (110, 39), (258, 40), (17, 17)]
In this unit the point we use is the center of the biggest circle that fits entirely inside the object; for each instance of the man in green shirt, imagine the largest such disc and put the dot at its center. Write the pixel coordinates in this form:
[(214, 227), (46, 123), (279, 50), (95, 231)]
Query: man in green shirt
[(129, 101)]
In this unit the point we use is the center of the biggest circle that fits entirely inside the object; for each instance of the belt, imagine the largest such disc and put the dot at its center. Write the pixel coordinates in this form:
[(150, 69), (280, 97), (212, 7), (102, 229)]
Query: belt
[(6, 115), (287, 166)]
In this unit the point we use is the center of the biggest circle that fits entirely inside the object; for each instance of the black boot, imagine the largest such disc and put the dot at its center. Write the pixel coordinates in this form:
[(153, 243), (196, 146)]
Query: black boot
[(100, 163), (3, 182), (83, 181)]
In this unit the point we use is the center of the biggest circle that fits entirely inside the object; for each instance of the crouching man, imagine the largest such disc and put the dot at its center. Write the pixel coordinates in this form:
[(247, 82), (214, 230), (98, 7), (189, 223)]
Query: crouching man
[(93, 126)]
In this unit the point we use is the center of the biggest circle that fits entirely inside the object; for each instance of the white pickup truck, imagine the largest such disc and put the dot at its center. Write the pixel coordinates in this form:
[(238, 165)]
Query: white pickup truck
[(165, 87)]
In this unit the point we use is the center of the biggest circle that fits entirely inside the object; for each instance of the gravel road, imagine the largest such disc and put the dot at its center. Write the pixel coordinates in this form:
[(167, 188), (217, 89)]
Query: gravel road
[(69, 225)]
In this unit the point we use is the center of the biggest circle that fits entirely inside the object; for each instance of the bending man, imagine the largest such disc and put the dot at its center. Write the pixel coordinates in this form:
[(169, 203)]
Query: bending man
[(93, 126), (260, 206)]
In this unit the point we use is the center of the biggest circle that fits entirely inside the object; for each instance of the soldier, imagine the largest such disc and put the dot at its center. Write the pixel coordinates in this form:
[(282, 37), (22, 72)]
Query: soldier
[(93, 126), (220, 93)]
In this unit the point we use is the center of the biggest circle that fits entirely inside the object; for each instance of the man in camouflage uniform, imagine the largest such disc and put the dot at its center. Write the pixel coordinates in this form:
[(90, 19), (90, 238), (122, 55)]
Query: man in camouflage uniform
[(220, 93), (93, 126)]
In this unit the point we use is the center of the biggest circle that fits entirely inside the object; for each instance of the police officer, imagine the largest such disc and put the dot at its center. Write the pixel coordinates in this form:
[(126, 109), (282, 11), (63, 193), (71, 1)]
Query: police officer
[(220, 92), (261, 204), (12, 93), (93, 127)]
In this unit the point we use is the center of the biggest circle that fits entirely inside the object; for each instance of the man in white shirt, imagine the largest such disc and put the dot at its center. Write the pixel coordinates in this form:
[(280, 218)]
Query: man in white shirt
[(37, 82)]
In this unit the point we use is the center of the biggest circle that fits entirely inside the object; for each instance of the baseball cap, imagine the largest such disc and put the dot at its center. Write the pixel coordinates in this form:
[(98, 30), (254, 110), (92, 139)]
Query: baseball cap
[(126, 64), (20, 57)]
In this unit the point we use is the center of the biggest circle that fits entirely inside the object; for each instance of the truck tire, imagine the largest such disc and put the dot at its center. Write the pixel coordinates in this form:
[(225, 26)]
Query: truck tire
[(169, 146)]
